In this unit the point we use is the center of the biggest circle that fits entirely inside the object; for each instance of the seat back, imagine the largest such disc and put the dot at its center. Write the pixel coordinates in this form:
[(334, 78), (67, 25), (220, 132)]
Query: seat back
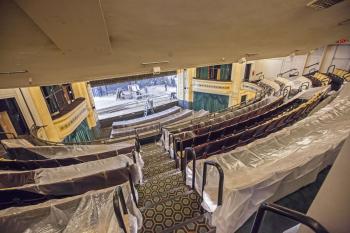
[(198, 140), (231, 142), (214, 135), (200, 150)]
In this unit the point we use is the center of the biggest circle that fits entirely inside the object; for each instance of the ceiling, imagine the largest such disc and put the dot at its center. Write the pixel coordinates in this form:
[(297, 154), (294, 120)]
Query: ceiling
[(56, 41)]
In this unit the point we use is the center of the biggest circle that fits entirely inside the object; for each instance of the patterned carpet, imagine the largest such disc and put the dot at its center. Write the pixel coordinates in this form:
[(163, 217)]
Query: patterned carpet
[(166, 203)]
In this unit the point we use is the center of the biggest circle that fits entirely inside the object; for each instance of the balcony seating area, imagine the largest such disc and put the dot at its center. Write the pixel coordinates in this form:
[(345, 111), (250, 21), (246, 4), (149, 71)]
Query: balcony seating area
[(262, 126), (21, 149), (169, 131), (128, 187), (270, 87), (233, 123), (272, 167), (343, 74), (146, 119), (19, 188), (153, 129)]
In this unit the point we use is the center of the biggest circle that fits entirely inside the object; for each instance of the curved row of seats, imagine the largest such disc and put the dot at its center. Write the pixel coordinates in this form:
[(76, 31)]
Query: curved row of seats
[(240, 138), (343, 74), (212, 132), (220, 118), (34, 186), (40, 173), (169, 131), (150, 128)]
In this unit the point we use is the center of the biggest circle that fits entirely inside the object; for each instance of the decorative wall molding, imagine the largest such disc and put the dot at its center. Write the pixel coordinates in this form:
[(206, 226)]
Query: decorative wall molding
[(67, 123), (251, 87), (211, 86)]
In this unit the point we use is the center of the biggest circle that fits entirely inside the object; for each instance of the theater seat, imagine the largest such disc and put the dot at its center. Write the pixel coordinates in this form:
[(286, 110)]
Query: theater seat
[(231, 142), (198, 140), (214, 135)]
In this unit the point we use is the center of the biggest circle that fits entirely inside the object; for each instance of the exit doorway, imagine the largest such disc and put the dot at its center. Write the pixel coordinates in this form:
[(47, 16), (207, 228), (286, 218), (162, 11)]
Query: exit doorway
[(11, 119)]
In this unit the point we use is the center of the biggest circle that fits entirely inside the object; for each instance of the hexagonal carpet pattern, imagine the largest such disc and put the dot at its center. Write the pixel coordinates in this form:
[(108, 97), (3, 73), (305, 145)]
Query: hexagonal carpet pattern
[(171, 212), (166, 203)]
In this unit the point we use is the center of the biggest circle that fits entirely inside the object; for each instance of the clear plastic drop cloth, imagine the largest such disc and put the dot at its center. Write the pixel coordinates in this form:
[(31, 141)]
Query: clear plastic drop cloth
[(275, 166), (73, 179), (148, 118), (91, 212), (179, 124), (60, 152), (151, 126)]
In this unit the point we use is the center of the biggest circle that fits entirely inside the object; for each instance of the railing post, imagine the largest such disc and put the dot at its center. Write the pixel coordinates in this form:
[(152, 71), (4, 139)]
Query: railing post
[(131, 183), (133, 153), (190, 150), (221, 179), (116, 208), (329, 67)]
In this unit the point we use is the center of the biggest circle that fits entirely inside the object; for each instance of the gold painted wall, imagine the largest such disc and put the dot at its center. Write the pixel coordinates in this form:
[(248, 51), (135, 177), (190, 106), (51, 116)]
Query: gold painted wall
[(81, 89), (45, 116), (187, 85)]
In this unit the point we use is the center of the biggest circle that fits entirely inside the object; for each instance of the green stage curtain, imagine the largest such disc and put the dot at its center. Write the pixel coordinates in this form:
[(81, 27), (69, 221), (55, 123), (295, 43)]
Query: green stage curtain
[(209, 102), (225, 72), (202, 72), (81, 134)]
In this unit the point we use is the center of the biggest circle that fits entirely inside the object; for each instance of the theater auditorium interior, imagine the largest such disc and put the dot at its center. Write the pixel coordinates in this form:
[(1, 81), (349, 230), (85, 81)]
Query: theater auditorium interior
[(174, 116)]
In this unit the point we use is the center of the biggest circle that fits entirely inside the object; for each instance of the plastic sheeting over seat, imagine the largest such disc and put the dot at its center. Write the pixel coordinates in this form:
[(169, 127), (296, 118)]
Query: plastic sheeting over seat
[(90, 212), (19, 150), (20, 188), (273, 167)]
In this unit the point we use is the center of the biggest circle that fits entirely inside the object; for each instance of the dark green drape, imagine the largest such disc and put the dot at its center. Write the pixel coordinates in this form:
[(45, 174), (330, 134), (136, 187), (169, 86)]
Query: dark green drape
[(209, 102), (202, 72), (81, 134), (225, 72)]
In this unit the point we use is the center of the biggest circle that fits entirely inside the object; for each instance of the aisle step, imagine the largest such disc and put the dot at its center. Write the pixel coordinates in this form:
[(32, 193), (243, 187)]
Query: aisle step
[(198, 224), (149, 161), (161, 168), (171, 212), (157, 186), (149, 200)]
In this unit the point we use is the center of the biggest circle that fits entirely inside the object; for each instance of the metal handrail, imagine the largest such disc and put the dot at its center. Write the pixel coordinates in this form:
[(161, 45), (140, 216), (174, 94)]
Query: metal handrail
[(118, 196), (296, 73), (189, 150), (312, 65), (311, 71), (330, 67), (48, 142), (221, 179), (193, 121), (280, 210), (175, 140), (288, 71)]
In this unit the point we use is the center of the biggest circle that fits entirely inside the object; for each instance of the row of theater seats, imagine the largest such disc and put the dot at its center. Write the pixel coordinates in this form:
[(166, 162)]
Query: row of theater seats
[(341, 73), (214, 121), (177, 130), (29, 181), (233, 125), (274, 121), (220, 116)]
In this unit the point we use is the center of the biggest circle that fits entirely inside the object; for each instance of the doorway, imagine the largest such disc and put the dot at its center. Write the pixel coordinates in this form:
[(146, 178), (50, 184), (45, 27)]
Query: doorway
[(248, 68), (11, 119)]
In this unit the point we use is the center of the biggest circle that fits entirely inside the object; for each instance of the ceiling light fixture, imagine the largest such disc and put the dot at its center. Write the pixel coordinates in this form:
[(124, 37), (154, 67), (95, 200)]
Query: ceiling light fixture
[(15, 72), (153, 63)]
